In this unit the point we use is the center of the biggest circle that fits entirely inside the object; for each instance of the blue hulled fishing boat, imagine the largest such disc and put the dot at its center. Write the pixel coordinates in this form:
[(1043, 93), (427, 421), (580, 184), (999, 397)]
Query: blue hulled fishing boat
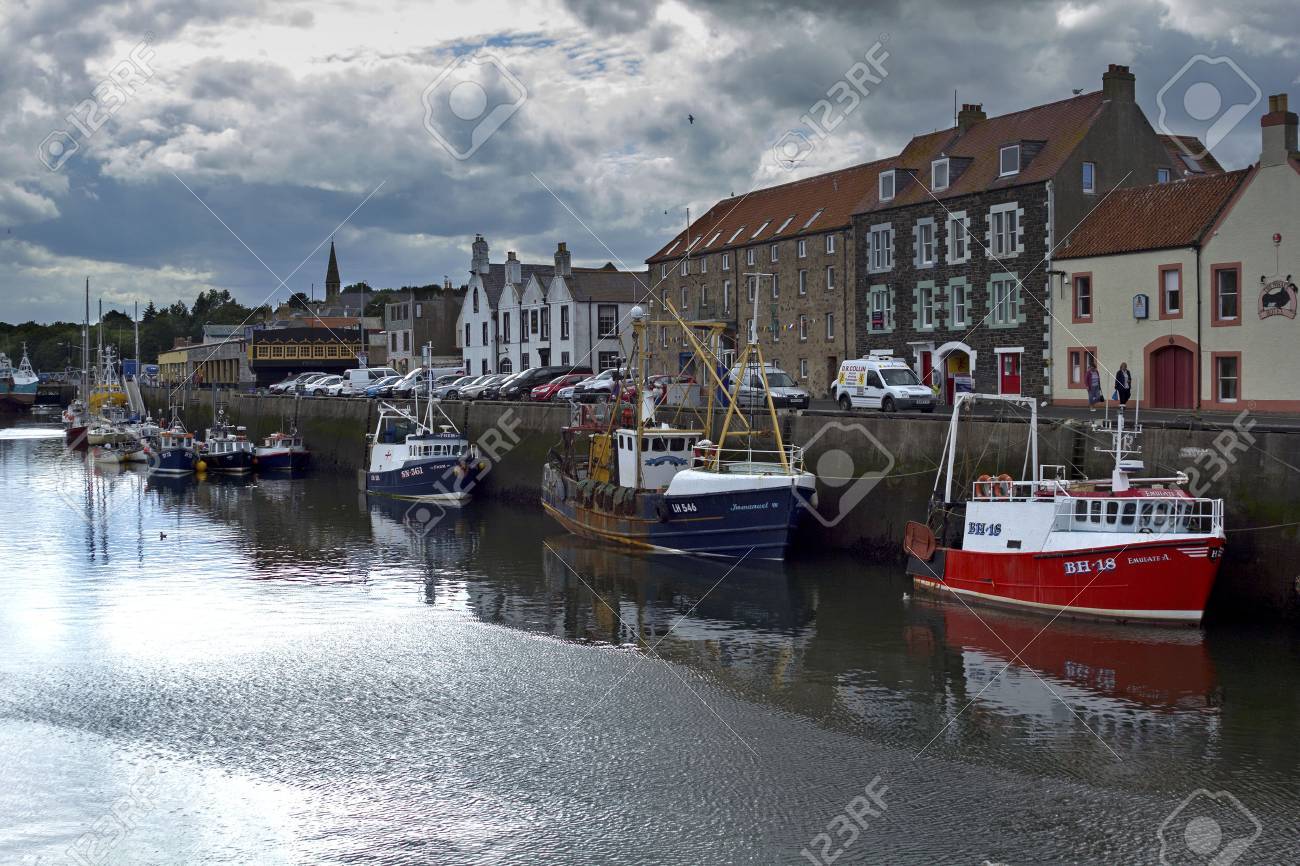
[(17, 384)]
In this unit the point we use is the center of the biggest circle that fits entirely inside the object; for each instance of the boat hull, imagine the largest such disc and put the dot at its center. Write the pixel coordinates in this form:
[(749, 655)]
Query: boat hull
[(231, 463), (444, 479), (1166, 581), (752, 523), (281, 460), (174, 461), (18, 399)]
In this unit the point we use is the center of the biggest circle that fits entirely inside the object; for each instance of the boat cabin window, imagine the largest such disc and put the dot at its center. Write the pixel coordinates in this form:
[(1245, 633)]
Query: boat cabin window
[(1128, 514), (1094, 509), (1112, 511), (677, 443)]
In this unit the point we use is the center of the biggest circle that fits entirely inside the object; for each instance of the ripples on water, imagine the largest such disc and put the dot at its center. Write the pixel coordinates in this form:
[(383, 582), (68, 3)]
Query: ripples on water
[(275, 671)]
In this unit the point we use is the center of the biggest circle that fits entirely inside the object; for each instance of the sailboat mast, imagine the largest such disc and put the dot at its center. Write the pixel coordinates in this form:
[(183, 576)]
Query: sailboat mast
[(137, 341), (85, 348)]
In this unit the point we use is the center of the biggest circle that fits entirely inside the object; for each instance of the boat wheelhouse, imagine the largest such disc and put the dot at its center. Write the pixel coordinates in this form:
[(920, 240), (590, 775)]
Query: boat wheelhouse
[(226, 447), (176, 453), (17, 384), (1122, 548), (282, 452)]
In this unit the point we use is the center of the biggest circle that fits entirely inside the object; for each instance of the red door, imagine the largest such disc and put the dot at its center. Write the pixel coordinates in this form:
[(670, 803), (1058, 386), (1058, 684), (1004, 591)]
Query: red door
[(1173, 379), (1009, 369), (927, 378)]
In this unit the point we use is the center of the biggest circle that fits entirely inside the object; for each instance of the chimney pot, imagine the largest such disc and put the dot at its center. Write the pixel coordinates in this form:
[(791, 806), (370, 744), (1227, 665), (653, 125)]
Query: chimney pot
[(971, 113)]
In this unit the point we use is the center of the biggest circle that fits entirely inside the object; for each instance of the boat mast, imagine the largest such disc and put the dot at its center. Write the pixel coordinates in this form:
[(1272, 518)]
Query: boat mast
[(85, 349), (638, 341)]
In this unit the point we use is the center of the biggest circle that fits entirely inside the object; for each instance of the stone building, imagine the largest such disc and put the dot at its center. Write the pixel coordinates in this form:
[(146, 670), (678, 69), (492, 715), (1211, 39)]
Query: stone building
[(774, 266), (1192, 284), (422, 316), (954, 242)]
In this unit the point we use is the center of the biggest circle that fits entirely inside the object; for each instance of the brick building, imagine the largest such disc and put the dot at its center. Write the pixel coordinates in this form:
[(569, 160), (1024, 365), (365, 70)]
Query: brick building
[(954, 241), (798, 238)]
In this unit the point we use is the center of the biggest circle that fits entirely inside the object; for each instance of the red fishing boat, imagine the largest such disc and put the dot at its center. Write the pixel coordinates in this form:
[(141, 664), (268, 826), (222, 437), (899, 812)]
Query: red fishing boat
[(1123, 548)]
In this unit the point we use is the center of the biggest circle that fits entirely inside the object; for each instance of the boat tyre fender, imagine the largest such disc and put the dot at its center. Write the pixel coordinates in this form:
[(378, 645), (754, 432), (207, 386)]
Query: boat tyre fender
[(662, 511)]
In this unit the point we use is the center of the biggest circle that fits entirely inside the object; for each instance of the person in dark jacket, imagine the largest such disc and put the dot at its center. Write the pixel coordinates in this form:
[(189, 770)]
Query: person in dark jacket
[(1123, 384)]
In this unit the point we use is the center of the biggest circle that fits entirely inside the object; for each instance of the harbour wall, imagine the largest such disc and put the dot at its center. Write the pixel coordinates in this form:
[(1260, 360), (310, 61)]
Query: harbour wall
[(876, 472)]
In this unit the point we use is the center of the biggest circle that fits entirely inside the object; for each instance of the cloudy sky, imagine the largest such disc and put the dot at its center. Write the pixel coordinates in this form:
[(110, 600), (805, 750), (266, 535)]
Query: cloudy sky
[(241, 134)]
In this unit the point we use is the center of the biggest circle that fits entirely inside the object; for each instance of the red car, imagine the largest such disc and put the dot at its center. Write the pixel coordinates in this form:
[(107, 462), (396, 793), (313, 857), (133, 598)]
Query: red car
[(547, 392)]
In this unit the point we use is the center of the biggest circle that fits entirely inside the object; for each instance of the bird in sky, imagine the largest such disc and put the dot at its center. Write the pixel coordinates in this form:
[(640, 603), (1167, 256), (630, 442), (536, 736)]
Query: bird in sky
[(1076, 91), (691, 118)]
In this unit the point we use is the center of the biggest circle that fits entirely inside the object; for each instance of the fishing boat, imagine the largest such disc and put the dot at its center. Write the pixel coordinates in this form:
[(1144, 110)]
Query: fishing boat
[(17, 384), (632, 479), (76, 424), (282, 452), (176, 452), (1121, 548), (421, 458), (226, 448)]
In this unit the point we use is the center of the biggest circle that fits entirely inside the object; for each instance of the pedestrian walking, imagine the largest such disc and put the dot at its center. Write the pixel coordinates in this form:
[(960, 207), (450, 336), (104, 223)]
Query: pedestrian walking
[(1094, 386), (1123, 384)]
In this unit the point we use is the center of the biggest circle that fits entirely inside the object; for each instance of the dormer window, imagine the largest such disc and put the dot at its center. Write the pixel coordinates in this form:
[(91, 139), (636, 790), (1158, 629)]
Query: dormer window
[(1009, 160), (887, 185), (939, 174)]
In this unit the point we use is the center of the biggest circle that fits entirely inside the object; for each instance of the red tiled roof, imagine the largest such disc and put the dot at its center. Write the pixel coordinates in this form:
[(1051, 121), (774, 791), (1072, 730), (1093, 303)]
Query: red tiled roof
[(1058, 126), (1184, 147), (1156, 217), (834, 194)]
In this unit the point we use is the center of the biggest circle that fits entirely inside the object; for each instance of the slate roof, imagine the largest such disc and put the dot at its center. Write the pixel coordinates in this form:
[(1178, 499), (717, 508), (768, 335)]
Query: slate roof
[(495, 279), (1051, 131), (606, 285), (1178, 147), (834, 194), (1155, 217)]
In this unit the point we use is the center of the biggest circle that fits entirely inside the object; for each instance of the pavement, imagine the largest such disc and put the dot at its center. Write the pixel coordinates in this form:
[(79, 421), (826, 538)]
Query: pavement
[(1184, 418)]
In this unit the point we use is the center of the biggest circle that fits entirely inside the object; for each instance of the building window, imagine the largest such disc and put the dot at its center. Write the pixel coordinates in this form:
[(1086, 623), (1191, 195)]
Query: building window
[(803, 368), (564, 358), (803, 248), (1227, 294), (924, 231), (505, 327), (564, 322), (704, 264), (686, 299), (607, 320), (419, 311), (882, 309), (752, 331), (1009, 160), (467, 340), (1082, 297), (886, 185), (957, 306), (726, 261), (1004, 229), (1171, 291), (772, 252), (939, 174), (726, 296), (485, 340), (663, 336), (1081, 358), (1004, 300), (1162, 175), (776, 286), (392, 340), (830, 243), (1227, 377), (958, 238), (803, 282), (663, 272), (830, 278), (1090, 177), (830, 326), (546, 323), (482, 366), (751, 284), (406, 341), (735, 234), (882, 247), (758, 231), (607, 360), (704, 299), (684, 268), (749, 256), (925, 307), (803, 327), (813, 218)]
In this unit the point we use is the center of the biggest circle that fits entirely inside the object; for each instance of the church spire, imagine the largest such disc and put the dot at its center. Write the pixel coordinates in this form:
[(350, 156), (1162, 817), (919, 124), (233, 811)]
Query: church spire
[(332, 282)]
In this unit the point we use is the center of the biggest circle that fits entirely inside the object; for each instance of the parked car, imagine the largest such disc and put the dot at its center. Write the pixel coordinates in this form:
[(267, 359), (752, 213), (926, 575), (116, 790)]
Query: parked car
[(785, 391), (880, 382), (358, 380), (451, 390), (550, 390), (492, 390), (301, 386), (380, 388), (521, 386), (602, 386), (667, 387), (317, 386), (289, 384), (474, 390)]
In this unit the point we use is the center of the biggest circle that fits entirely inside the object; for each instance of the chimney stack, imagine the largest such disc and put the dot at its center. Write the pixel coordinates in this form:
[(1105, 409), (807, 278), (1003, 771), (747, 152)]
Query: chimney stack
[(478, 263), (1279, 132), (563, 268), (514, 273), (971, 113), (1118, 84)]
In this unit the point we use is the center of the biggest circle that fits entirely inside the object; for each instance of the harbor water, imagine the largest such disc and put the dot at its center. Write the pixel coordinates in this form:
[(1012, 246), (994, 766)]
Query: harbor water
[(276, 671)]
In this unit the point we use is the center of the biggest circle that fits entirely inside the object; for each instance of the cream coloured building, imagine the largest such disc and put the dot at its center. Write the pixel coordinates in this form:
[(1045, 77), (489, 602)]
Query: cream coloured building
[(1192, 284)]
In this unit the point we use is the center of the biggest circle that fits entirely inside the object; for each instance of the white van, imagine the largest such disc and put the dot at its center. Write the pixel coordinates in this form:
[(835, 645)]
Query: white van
[(880, 381), (358, 380)]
